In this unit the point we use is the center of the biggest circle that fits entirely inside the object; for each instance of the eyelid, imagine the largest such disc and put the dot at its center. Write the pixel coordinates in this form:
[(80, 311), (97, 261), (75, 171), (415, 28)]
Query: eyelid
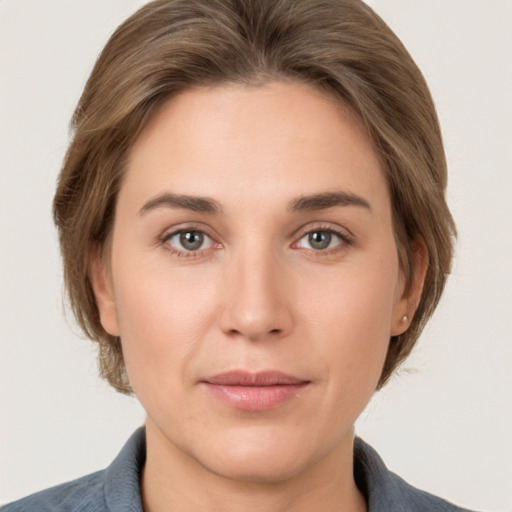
[(175, 230), (188, 226), (345, 235)]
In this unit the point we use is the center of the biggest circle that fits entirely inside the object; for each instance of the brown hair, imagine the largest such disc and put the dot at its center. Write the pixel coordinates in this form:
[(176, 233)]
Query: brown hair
[(338, 46)]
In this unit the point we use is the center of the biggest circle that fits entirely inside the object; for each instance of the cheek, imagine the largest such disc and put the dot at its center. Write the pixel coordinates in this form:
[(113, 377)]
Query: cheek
[(349, 317), (355, 298), (162, 317)]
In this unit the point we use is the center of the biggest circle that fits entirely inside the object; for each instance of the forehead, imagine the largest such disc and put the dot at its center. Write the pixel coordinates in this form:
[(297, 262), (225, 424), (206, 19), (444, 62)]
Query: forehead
[(280, 140)]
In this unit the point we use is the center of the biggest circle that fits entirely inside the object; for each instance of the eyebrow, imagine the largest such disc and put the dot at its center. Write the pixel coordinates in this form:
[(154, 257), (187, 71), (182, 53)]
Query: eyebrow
[(184, 202), (326, 200), (310, 203)]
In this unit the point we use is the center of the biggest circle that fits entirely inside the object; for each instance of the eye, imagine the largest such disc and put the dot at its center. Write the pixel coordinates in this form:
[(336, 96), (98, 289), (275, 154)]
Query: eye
[(188, 240), (321, 239)]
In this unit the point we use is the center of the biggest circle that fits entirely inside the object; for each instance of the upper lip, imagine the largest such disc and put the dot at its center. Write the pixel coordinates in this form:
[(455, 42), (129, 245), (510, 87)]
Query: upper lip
[(255, 379)]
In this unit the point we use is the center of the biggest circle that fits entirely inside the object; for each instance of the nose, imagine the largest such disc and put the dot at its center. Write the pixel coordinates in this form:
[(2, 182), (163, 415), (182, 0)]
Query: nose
[(257, 299)]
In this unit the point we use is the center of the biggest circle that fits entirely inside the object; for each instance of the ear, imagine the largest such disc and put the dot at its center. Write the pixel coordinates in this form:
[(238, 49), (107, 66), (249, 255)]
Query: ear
[(410, 294), (101, 281)]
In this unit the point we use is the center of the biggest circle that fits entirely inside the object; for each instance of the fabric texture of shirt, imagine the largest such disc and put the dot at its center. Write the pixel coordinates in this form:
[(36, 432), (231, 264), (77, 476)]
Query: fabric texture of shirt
[(116, 489)]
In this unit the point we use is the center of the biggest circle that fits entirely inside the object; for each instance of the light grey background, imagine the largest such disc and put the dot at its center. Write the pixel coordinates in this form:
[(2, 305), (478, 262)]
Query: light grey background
[(445, 426)]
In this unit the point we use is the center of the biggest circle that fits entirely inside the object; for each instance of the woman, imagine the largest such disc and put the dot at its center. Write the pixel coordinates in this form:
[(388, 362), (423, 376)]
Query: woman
[(253, 226)]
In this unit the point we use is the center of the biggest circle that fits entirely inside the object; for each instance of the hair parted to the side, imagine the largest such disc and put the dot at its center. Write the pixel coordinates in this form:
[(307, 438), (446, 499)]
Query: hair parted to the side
[(337, 46)]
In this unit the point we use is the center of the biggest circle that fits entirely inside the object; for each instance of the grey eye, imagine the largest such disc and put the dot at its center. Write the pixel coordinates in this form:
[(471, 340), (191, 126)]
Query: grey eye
[(320, 240), (189, 240)]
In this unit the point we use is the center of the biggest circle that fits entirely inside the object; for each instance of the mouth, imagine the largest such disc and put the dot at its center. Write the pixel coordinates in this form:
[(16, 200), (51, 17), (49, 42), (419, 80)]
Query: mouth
[(259, 391)]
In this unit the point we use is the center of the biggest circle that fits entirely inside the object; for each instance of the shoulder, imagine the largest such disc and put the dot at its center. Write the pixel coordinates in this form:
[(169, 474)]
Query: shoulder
[(81, 495), (385, 491), (115, 489)]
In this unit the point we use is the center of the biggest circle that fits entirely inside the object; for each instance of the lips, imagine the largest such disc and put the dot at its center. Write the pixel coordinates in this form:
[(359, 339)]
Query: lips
[(255, 391)]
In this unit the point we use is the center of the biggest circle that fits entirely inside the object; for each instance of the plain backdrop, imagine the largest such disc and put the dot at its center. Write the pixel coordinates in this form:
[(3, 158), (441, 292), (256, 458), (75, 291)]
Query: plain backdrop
[(444, 423)]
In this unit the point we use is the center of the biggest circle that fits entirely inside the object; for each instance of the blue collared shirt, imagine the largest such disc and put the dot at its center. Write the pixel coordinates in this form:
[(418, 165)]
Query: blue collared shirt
[(116, 489)]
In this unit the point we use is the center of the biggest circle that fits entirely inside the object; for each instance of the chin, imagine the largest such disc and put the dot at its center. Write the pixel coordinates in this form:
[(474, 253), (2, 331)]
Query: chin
[(263, 468), (269, 457)]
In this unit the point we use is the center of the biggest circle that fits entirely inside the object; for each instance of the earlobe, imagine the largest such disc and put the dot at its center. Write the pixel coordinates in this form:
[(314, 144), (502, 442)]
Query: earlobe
[(407, 303), (103, 292)]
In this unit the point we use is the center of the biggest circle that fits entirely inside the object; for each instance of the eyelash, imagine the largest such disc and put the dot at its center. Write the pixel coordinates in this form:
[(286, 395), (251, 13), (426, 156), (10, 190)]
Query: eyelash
[(186, 253), (345, 240)]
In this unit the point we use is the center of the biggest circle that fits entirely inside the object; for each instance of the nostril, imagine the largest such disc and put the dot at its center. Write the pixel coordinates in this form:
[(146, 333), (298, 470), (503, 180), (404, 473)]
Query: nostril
[(234, 333)]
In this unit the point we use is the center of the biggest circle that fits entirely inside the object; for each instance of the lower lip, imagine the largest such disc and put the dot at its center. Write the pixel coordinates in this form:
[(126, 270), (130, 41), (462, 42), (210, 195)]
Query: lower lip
[(256, 398)]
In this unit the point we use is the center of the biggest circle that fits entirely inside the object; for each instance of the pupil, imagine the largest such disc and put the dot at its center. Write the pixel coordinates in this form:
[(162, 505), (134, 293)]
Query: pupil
[(191, 240), (319, 239)]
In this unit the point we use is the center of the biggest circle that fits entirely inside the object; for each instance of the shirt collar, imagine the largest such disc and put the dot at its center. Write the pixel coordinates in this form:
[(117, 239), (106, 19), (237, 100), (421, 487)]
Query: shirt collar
[(122, 477), (380, 487)]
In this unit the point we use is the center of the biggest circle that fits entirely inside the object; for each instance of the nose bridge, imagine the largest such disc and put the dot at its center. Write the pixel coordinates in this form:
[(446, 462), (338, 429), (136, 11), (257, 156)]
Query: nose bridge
[(256, 303)]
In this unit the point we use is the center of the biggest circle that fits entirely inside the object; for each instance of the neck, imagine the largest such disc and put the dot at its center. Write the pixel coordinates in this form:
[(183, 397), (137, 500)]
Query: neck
[(173, 480)]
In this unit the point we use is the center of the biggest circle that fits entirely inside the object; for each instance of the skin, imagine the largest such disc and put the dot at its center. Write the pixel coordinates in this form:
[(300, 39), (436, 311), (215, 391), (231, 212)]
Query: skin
[(256, 295)]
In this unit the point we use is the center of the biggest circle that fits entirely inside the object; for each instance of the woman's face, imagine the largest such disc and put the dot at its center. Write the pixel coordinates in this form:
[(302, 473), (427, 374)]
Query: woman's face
[(253, 278)]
